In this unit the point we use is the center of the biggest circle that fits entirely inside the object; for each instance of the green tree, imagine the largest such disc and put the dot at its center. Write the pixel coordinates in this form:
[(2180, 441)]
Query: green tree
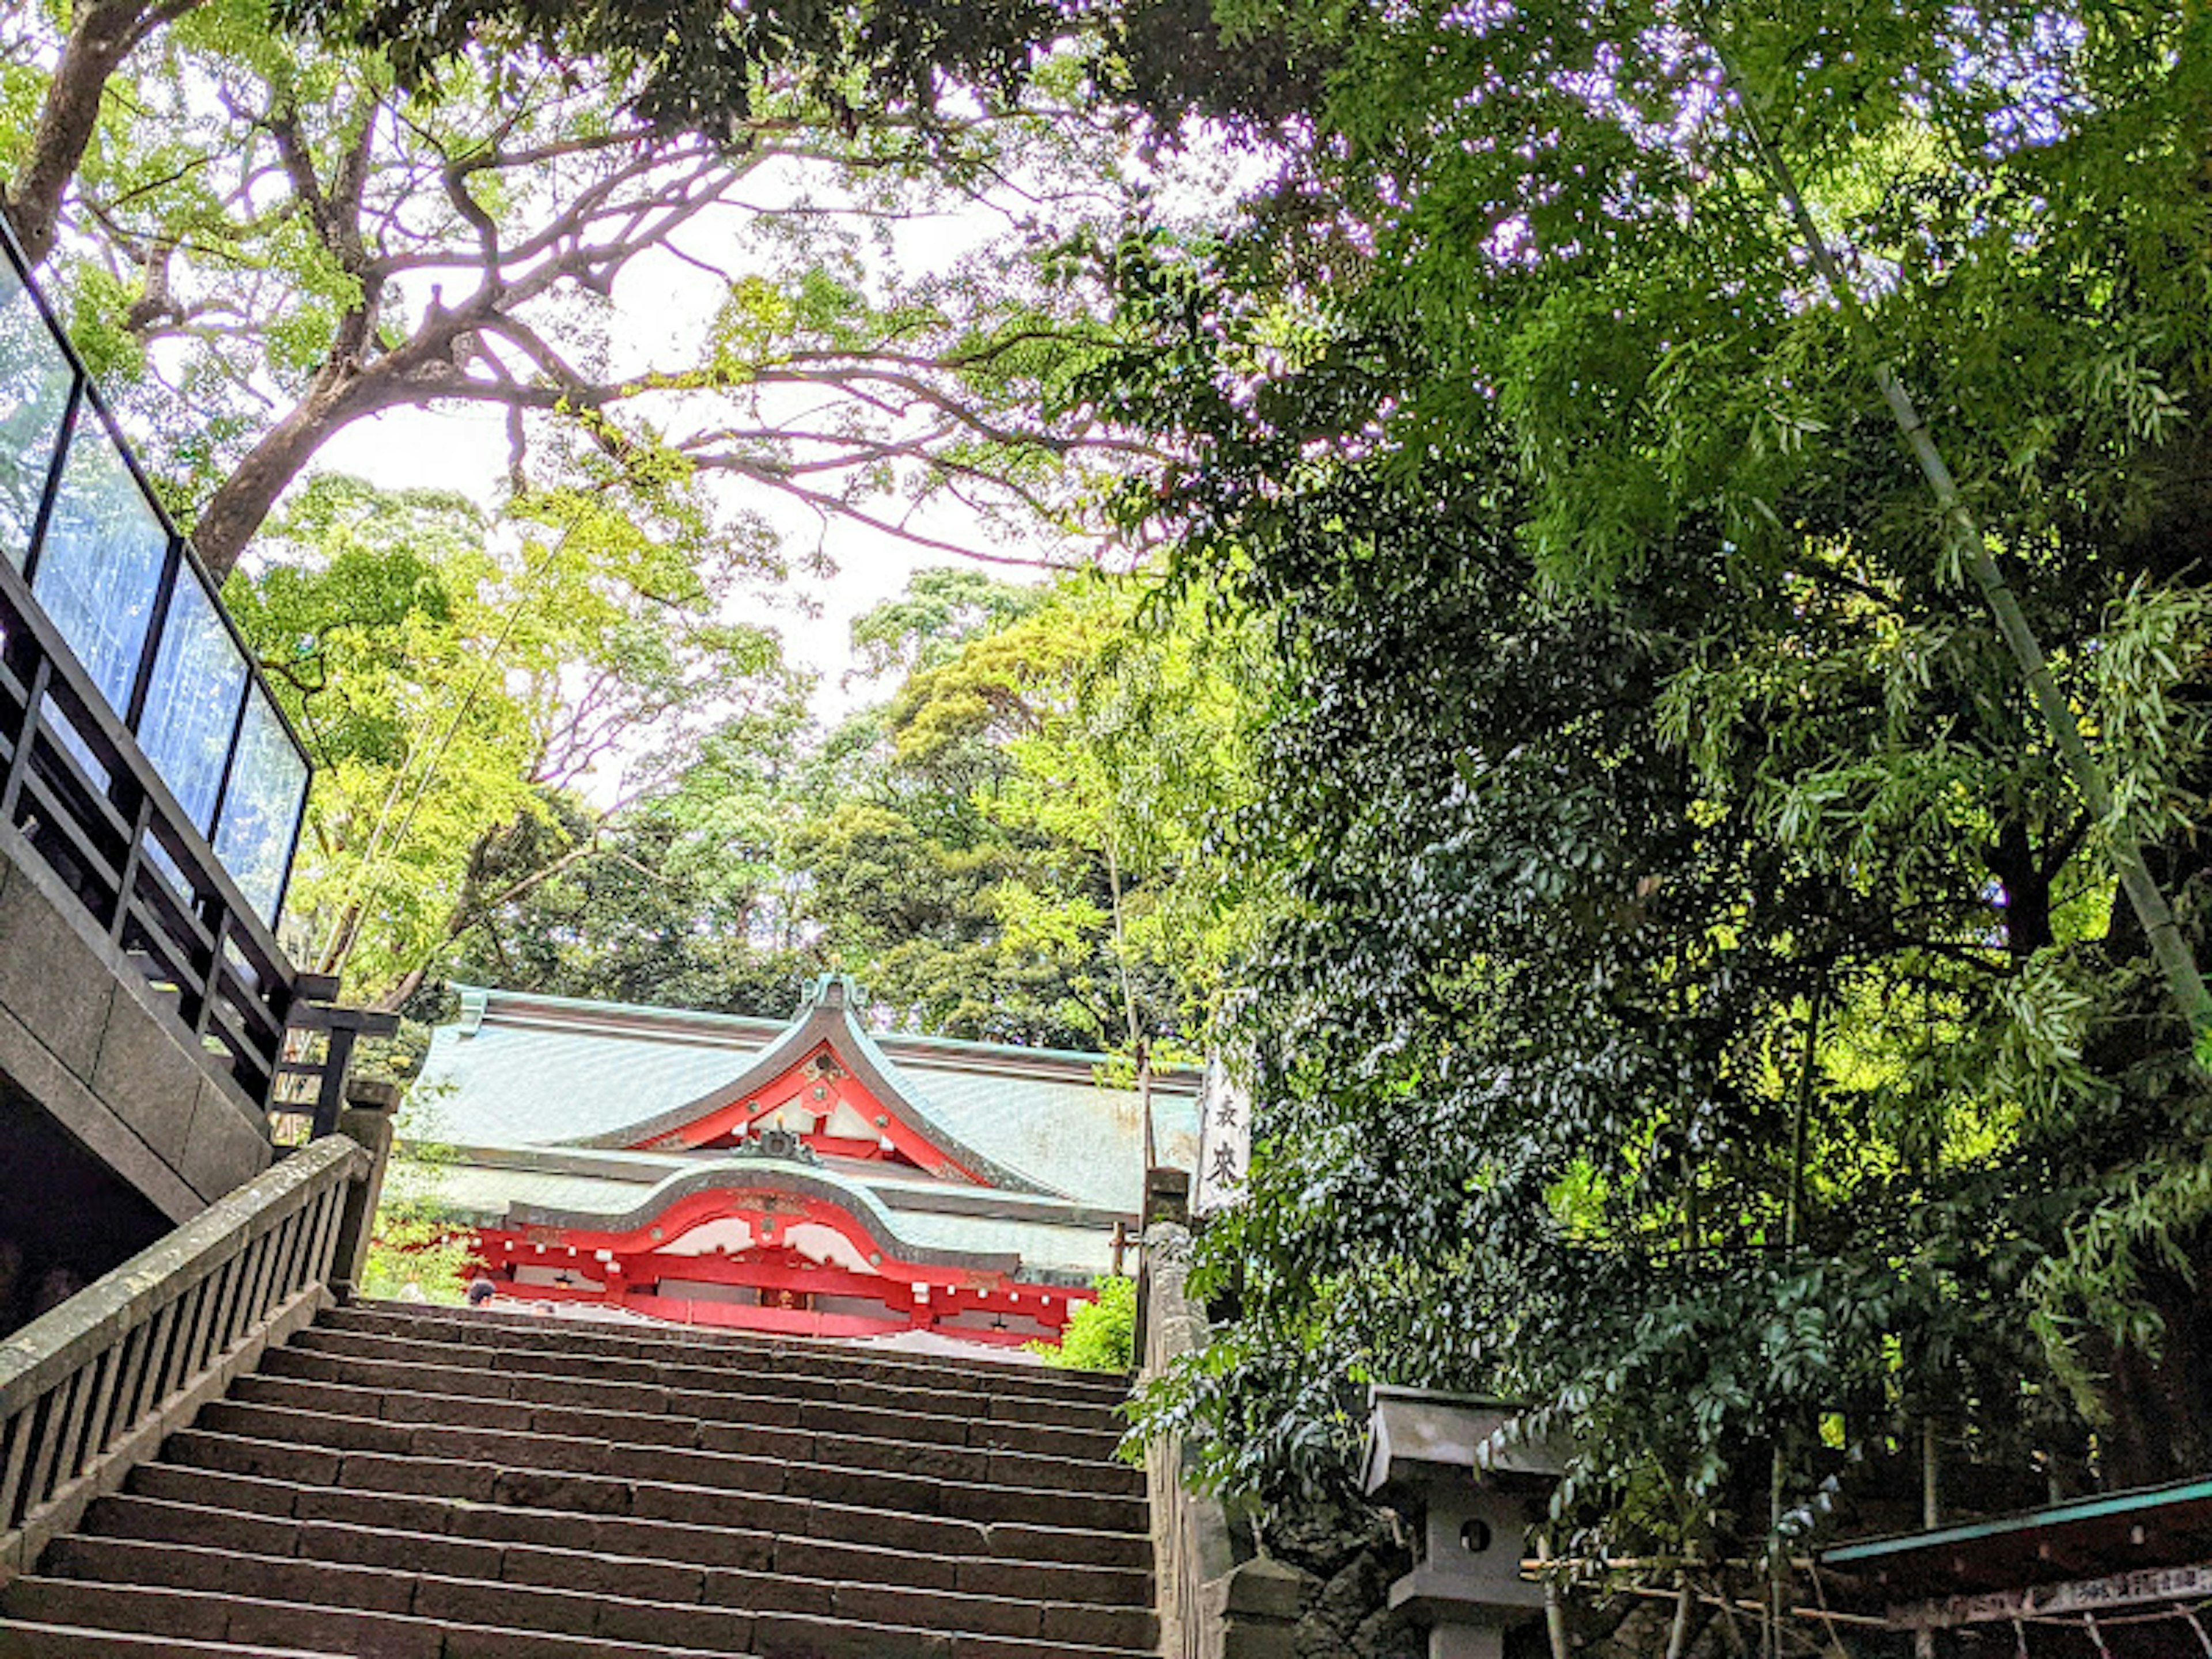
[(898, 859), (1001, 848), (1705, 1001), (686, 900), (1138, 747), (942, 608), (460, 685), (263, 237)]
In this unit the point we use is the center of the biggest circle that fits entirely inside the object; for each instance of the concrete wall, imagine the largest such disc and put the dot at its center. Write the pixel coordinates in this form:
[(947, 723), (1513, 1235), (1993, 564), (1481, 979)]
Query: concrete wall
[(87, 1037)]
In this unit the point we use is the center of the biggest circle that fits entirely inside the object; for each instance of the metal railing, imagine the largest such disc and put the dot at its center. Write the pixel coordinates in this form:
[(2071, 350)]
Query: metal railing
[(83, 526), (76, 786), (89, 1389)]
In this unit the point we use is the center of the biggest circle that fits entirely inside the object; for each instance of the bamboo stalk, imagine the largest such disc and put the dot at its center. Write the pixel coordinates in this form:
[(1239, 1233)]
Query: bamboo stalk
[(2176, 961), (1678, 1632), (1555, 1612), (1573, 1564)]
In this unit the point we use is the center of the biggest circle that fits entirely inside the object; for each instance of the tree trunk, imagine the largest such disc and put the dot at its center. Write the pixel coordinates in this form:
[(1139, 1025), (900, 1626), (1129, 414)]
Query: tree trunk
[(102, 36), (343, 394), (2014, 860), (2161, 1402)]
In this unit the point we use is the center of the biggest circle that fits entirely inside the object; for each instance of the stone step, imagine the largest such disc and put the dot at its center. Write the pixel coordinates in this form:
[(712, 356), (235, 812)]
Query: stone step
[(462, 1538), (19, 1640), (888, 1414), (208, 1596), (520, 1545), (706, 1527), (409, 1484), (233, 1623), (567, 1591), (687, 1371), (789, 1422), (920, 1480), (825, 1358)]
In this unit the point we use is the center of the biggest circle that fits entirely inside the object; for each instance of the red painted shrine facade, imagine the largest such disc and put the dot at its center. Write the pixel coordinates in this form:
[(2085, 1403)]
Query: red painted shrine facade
[(813, 1178), (814, 1268)]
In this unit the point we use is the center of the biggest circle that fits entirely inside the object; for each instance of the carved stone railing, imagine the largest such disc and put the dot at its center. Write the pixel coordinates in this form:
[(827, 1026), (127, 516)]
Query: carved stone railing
[(1218, 1599), (89, 1389)]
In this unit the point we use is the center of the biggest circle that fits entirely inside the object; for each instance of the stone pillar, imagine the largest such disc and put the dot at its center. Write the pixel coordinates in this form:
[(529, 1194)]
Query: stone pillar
[(1467, 1642), (1211, 1606), (367, 1119), (1166, 1196)]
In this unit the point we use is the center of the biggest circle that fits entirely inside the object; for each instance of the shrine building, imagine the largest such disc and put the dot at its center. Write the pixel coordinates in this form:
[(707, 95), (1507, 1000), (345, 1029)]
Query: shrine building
[(812, 1178)]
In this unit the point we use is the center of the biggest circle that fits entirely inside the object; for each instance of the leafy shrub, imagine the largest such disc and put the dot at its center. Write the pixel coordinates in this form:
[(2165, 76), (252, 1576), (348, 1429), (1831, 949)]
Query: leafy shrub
[(1101, 1335)]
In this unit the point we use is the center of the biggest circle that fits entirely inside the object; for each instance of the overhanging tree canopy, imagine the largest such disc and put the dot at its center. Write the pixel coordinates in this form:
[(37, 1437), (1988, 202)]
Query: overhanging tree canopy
[(1706, 1002)]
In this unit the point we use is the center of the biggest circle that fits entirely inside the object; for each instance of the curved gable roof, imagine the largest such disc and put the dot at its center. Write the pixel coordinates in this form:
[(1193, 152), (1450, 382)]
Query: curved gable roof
[(752, 1175), (826, 1018)]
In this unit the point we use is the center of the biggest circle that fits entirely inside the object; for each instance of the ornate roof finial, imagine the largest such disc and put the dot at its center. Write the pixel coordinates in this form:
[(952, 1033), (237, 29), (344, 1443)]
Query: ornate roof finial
[(834, 991)]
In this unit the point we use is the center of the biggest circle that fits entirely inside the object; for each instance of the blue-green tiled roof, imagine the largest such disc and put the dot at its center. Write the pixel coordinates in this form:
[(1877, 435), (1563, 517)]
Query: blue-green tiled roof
[(540, 1086)]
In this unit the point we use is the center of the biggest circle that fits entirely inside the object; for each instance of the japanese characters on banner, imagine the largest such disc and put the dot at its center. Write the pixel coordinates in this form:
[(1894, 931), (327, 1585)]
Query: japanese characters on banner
[(1225, 1142)]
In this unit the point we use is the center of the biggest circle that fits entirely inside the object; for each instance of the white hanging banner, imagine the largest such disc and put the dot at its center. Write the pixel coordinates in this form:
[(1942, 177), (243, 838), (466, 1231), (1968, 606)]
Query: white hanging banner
[(1225, 1142)]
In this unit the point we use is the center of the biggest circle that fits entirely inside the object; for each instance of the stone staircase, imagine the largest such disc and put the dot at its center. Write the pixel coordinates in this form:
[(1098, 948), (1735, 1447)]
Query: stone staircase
[(405, 1483)]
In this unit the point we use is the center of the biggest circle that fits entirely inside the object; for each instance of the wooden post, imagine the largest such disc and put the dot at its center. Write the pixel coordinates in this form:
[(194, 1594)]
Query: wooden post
[(1931, 1513)]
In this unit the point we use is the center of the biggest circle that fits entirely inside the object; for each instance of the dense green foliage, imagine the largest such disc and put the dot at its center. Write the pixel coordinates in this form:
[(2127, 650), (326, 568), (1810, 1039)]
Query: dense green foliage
[(1101, 1335), (992, 850), (703, 63), (1703, 1006)]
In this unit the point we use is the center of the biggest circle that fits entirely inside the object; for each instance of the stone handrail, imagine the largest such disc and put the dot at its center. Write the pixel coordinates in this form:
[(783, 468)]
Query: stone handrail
[(1218, 1600), (89, 1389)]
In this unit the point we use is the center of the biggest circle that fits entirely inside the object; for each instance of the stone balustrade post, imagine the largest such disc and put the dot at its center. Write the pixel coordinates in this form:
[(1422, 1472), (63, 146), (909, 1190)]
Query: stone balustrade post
[(1212, 1604), (368, 1119)]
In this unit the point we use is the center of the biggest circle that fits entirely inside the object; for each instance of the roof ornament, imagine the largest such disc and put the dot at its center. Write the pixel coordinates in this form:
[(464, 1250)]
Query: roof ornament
[(783, 1145), (834, 991)]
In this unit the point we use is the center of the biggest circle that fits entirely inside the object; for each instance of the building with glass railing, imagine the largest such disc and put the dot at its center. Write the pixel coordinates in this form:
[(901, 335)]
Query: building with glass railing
[(79, 522), (151, 797)]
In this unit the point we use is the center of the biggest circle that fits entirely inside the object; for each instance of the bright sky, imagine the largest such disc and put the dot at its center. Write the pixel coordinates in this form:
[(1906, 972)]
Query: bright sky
[(465, 450), (662, 306)]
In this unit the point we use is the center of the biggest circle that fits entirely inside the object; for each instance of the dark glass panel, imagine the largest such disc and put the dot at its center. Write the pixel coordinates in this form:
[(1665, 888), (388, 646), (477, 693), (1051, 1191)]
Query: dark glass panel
[(100, 567), (261, 808), (34, 383), (200, 674)]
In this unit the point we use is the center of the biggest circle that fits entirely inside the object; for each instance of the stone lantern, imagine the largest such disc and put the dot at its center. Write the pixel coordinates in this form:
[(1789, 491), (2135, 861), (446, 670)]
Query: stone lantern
[(1434, 1457)]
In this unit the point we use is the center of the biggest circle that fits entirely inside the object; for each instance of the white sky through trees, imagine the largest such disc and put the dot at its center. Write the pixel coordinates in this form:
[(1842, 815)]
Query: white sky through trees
[(662, 308)]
